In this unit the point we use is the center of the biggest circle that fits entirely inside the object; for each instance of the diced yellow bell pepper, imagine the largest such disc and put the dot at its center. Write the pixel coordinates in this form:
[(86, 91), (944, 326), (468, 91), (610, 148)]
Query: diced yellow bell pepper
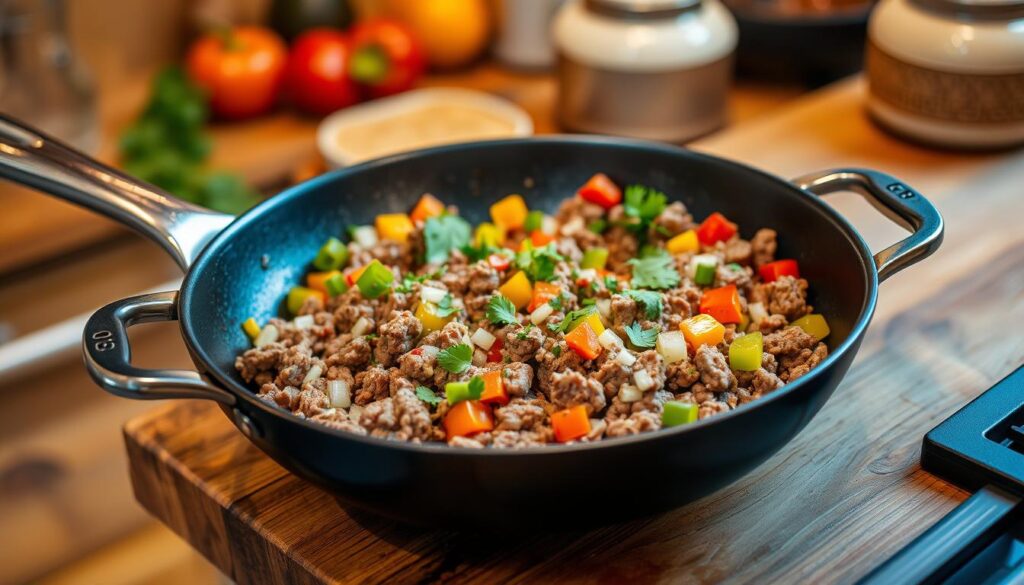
[(488, 234), (684, 242), (394, 226), (517, 289), (702, 330), (814, 325), (251, 328), (426, 313), (510, 213), (594, 319)]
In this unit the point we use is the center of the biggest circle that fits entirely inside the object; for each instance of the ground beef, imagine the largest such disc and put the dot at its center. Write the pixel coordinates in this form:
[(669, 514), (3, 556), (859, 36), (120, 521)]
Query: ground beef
[(372, 384), (622, 247), (517, 378), (681, 375), (652, 362), (576, 207), (312, 401), (737, 250), (624, 310), (673, 220), (636, 423), (763, 246), (554, 357), (793, 366), (294, 365), (356, 353), (259, 359), (284, 397), (397, 336), (727, 274), (612, 375), (787, 296), (392, 304), (469, 442), (403, 417), (520, 440), (789, 341), (772, 323), (714, 369), (569, 249), (450, 335), (337, 418), (419, 364), (349, 307), (520, 415), (571, 388), (521, 343), (764, 382), (652, 401), (712, 407)]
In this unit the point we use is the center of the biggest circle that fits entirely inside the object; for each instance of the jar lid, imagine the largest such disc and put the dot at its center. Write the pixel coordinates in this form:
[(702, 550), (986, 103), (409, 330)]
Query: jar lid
[(642, 9), (977, 9)]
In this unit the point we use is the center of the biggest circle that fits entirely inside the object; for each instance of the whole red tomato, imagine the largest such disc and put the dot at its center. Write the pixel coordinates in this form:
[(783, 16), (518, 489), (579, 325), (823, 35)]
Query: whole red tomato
[(317, 75), (387, 58), (241, 70)]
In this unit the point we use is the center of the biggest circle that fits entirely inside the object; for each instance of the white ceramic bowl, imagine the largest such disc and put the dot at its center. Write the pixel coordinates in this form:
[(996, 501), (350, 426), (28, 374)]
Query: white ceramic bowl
[(385, 126)]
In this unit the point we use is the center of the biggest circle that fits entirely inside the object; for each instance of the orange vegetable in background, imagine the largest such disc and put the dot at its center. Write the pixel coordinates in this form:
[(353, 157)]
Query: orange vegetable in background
[(702, 330), (467, 418), (539, 239), (428, 206), (723, 304), (241, 70), (394, 226), (583, 341), (510, 213), (453, 32), (571, 423)]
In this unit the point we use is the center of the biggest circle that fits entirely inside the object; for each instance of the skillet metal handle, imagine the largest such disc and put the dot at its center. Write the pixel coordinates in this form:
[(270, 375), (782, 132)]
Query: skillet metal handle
[(896, 201), (29, 157), (108, 355)]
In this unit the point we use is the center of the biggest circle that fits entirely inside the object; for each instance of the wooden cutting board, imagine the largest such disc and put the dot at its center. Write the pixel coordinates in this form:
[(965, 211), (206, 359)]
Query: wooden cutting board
[(835, 502)]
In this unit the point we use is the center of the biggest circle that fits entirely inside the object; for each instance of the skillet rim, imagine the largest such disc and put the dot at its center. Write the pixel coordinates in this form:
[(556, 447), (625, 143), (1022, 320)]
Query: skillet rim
[(843, 226)]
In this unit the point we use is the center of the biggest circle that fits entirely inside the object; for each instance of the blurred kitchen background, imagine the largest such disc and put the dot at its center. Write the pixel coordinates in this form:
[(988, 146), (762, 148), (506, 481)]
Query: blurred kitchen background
[(155, 87)]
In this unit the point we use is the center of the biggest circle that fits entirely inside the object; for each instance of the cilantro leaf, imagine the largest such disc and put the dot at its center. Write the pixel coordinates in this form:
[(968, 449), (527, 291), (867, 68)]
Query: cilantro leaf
[(524, 332), (643, 204), (640, 337), (611, 283), (656, 271), (443, 234), (649, 300), (408, 280), (557, 302), (456, 359), (501, 311), (445, 307), (427, 395), (539, 263), (476, 387), (573, 319)]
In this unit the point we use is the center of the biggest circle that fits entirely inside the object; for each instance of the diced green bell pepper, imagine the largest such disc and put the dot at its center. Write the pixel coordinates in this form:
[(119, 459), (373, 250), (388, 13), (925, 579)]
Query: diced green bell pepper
[(534, 220), (332, 255), (375, 280), (814, 325), (676, 413), (746, 351), (595, 258), (336, 285), (297, 296), (705, 274)]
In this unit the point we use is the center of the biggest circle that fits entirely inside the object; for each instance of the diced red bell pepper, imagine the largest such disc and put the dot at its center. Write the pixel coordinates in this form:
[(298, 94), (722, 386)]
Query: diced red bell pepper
[(494, 389), (716, 228), (539, 238), (494, 354), (771, 271), (583, 340), (602, 191), (499, 262), (542, 293), (723, 304)]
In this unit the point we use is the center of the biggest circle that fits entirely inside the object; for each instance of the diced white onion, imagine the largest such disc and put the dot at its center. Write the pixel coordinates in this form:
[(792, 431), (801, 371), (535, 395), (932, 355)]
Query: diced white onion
[(432, 295), (361, 327), (672, 346), (691, 268), (572, 226), (643, 380), (549, 225), (629, 393), (313, 374), (340, 393), (588, 274), (757, 312), (483, 338), (609, 340), (430, 350), (365, 236), (355, 412), (541, 314), (625, 358), (604, 307), (267, 336), (304, 321)]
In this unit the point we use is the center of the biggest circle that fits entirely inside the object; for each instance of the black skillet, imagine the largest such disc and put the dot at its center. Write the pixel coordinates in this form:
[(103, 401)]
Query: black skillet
[(240, 268)]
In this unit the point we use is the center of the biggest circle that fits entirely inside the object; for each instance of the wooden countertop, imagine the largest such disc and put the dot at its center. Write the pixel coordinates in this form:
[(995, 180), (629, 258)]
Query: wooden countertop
[(835, 502)]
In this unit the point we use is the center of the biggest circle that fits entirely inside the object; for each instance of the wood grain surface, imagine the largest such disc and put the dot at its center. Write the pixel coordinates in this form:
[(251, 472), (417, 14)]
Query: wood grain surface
[(835, 502)]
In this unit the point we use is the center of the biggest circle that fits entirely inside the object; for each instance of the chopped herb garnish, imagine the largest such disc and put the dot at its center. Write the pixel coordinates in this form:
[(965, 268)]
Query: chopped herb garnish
[(734, 267), (456, 359), (556, 350), (501, 311), (588, 301), (408, 280), (478, 253), (642, 205), (640, 337), (445, 307), (427, 395), (558, 302), (657, 272), (649, 300), (611, 283), (539, 263), (476, 387), (573, 319), (598, 226), (524, 332), (443, 234)]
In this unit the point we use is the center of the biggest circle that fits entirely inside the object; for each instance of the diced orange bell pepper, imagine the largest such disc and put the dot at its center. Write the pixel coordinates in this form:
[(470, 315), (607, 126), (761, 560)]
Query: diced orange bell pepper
[(542, 293), (467, 418), (723, 304), (427, 207), (539, 238), (702, 330), (353, 275), (318, 280), (716, 228), (517, 289), (394, 226), (684, 242), (771, 271), (510, 212), (583, 341), (602, 191), (494, 389), (571, 423)]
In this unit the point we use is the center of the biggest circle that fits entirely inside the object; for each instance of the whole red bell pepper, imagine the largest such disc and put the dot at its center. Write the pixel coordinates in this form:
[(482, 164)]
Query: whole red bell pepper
[(387, 58)]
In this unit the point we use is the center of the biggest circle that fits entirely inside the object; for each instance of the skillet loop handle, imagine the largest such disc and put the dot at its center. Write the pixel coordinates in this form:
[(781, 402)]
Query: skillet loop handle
[(895, 200), (108, 355)]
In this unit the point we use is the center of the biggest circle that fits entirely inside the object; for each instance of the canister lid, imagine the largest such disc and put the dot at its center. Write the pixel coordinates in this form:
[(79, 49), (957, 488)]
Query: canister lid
[(980, 9), (642, 9)]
